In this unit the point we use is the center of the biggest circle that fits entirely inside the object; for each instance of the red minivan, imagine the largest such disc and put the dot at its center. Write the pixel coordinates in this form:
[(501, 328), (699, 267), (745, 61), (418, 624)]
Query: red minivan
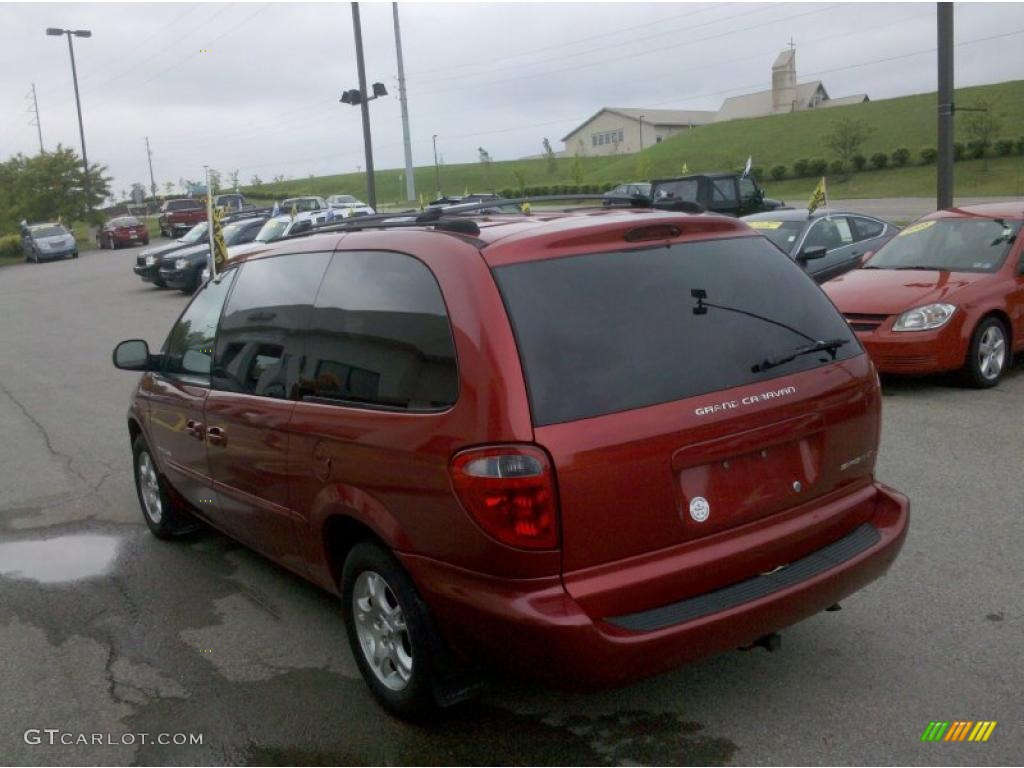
[(588, 445)]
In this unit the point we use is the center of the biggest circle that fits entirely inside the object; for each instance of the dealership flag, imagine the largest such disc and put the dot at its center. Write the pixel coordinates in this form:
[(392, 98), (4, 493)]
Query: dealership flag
[(818, 197), (218, 248), (746, 168), (276, 211), (686, 170), (294, 211)]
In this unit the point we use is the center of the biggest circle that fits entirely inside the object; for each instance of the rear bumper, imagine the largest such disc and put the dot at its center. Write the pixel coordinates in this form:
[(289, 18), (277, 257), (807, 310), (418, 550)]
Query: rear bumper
[(537, 628)]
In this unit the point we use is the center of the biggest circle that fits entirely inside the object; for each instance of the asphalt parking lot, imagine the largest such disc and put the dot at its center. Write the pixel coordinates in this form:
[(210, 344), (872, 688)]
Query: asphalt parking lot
[(104, 629)]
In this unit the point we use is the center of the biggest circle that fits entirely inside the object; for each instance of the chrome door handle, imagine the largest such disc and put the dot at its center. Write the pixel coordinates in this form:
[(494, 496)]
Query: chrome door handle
[(216, 436)]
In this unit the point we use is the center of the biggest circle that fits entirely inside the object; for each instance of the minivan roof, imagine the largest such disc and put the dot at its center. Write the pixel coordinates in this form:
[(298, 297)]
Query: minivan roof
[(544, 232)]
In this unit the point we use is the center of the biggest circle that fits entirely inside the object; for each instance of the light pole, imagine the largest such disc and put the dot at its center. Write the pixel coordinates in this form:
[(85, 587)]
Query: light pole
[(437, 171), (944, 186), (410, 179), (641, 133), (361, 98), (56, 32)]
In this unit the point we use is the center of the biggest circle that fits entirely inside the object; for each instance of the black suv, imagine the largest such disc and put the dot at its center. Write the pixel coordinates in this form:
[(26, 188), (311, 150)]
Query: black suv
[(732, 194), (183, 269)]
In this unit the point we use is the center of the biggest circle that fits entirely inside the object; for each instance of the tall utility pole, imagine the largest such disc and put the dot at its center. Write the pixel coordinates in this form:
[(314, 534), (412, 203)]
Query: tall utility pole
[(944, 192), (38, 124), (149, 156), (410, 182), (371, 187), (55, 32), (437, 170)]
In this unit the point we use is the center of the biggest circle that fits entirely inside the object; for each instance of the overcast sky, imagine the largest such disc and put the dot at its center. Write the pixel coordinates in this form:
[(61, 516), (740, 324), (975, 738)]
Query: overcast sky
[(264, 98)]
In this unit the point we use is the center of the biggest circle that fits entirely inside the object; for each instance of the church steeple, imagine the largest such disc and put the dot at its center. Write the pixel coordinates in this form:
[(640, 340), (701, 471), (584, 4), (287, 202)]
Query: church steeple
[(784, 80)]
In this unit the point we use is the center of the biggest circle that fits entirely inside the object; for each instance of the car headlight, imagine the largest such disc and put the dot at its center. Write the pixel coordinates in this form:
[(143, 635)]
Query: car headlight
[(150, 261), (181, 264), (924, 318)]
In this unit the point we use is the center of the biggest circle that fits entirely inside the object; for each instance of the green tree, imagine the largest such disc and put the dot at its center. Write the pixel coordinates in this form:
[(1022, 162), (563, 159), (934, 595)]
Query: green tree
[(549, 156), (233, 180), (168, 188), (577, 171), (520, 179), (49, 186), (846, 138), (214, 181), (485, 159), (256, 181), (981, 125)]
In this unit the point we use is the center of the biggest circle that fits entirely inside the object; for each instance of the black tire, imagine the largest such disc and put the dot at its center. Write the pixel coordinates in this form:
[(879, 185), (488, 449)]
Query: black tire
[(976, 372), (416, 700), (173, 520)]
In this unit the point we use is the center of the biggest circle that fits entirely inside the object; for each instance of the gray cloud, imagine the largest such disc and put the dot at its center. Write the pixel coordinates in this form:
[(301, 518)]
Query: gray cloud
[(263, 99)]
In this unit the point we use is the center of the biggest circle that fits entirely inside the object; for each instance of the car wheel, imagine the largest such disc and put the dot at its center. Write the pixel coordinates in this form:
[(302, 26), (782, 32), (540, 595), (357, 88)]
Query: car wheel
[(164, 516), (390, 631), (74, 255), (988, 354)]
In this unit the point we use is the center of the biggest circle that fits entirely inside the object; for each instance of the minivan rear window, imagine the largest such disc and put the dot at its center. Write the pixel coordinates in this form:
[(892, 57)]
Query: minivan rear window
[(610, 332)]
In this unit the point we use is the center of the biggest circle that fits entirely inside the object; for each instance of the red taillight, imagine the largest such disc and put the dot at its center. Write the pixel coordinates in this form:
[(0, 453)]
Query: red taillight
[(510, 492)]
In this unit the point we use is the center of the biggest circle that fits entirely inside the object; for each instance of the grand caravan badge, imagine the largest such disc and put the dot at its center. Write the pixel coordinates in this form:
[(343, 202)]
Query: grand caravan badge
[(729, 405)]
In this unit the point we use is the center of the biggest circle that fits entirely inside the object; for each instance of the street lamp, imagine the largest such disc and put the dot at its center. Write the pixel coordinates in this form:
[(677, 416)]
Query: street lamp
[(437, 171), (360, 97), (56, 32)]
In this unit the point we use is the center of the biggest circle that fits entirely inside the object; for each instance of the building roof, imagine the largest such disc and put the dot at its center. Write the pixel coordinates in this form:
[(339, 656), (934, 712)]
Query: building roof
[(842, 101), (784, 59), (760, 103), (653, 116)]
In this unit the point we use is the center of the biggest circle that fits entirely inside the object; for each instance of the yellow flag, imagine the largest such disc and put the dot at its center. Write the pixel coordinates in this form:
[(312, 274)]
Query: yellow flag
[(818, 198), (525, 208), (465, 193), (421, 201), (295, 211), (686, 170), (217, 244)]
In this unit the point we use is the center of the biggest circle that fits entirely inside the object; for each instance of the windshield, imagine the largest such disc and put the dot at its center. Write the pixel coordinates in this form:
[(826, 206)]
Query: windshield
[(611, 332), (956, 245), (197, 233), (272, 229), (55, 231), (233, 233), (783, 233), (683, 189)]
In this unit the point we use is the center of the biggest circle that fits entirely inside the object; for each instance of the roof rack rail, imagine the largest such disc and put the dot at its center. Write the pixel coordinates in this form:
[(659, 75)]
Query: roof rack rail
[(447, 218)]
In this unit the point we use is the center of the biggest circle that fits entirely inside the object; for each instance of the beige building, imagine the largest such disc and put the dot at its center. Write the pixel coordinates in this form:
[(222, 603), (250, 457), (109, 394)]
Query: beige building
[(620, 130)]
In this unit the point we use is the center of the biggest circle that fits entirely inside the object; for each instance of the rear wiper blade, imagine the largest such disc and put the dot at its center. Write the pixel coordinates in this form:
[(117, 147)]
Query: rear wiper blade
[(828, 345)]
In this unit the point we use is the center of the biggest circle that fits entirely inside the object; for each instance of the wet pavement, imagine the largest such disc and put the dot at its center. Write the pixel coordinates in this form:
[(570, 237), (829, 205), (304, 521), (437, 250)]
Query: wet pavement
[(106, 630)]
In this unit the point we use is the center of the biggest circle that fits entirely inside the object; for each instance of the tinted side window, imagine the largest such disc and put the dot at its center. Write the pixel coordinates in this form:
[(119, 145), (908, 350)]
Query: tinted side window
[(747, 189), (259, 347), (830, 233), (723, 191), (189, 347), (379, 334), (865, 229)]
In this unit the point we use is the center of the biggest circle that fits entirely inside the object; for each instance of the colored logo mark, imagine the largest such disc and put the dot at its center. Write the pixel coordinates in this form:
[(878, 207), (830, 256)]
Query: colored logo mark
[(958, 730)]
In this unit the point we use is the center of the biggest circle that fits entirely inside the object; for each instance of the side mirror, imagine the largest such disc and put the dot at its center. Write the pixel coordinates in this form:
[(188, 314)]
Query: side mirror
[(866, 257), (812, 253), (132, 355)]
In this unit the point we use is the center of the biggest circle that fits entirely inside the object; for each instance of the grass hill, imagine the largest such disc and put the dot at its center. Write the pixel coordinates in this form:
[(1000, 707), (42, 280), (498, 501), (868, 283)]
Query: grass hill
[(908, 121)]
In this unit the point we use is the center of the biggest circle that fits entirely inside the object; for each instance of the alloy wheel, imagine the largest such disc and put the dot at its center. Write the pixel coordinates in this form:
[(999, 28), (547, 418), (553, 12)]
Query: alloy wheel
[(992, 352), (149, 486), (382, 630)]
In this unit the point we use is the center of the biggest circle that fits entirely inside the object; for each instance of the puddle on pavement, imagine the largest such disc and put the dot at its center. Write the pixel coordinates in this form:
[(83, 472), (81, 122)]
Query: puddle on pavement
[(60, 559)]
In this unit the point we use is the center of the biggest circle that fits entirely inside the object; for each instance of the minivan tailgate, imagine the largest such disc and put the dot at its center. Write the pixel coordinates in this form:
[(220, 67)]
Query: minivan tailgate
[(638, 481)]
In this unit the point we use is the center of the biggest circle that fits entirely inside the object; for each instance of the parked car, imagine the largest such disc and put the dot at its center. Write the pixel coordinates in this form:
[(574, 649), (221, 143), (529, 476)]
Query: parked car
[(946, 294), (179, 216), (182, 269), (728, 193), (476, 197), (347, 205), (303, 204), (835, 241), (122, 230), (45, 242), (590, 447), (636, 192), (233, 201), (147, 263)]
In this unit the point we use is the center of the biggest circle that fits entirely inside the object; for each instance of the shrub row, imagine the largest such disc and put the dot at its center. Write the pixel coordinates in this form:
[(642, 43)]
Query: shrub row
[(557, 189), (10, 246)]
